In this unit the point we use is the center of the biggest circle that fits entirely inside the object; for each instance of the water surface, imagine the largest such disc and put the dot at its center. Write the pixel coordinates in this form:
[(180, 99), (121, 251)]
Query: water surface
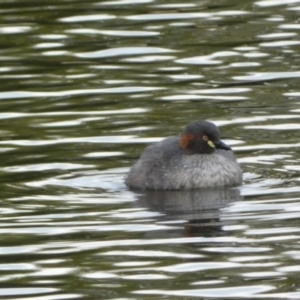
[(85, 87)]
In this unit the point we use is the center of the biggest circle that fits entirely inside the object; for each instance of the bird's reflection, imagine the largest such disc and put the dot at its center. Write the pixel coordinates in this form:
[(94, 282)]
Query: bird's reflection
[(199, 209)]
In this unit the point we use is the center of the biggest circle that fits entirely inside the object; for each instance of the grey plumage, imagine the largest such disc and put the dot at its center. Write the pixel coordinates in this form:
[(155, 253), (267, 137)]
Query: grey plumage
[(166, 166)]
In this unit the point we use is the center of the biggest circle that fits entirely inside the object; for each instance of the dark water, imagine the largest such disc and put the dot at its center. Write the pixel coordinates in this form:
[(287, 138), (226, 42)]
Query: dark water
[(85, 86)]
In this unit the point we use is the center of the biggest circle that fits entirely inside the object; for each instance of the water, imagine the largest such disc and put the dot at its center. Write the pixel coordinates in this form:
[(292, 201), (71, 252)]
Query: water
[(85, 87)]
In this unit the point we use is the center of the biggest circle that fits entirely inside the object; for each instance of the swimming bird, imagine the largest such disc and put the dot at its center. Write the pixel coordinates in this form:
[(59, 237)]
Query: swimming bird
[(196, 159)]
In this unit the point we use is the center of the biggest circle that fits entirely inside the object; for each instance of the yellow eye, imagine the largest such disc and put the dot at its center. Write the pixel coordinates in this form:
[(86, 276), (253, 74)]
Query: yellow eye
[(205, 138)]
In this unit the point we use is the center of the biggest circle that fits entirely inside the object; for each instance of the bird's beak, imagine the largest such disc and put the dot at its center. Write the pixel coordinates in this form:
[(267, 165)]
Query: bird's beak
[(211, 144), (221, 145)]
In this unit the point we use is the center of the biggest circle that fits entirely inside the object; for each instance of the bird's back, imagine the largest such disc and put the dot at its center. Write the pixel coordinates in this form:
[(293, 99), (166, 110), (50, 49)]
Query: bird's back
[(150, 170)]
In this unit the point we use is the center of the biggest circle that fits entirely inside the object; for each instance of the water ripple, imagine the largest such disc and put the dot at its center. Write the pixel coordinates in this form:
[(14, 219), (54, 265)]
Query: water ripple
[(87, 18), (114, 90), (124, 51), (124, 33), (228, 292)]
